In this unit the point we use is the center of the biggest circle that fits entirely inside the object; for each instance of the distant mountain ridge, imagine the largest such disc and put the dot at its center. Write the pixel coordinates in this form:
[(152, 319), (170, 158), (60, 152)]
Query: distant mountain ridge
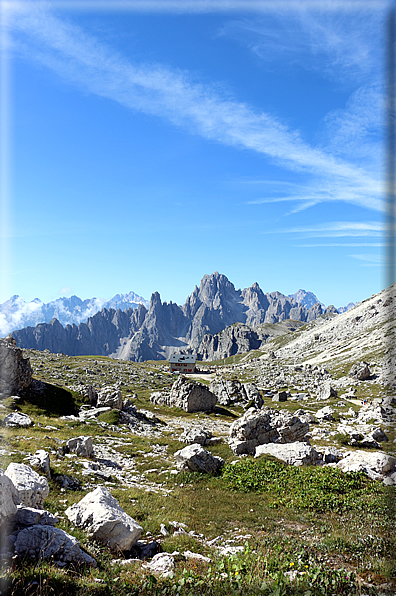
[(15, 313), (157, 331)]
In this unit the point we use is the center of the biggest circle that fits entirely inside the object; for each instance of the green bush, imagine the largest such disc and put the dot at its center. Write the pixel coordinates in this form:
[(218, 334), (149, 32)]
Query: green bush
[(315, 488)]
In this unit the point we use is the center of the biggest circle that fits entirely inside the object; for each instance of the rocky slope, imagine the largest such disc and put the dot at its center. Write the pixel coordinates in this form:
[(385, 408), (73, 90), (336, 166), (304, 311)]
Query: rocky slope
[(142, 334)]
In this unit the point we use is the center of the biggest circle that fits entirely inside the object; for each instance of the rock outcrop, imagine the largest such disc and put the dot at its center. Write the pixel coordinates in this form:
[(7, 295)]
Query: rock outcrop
[(187, 395), (265, 426), (234, 392), (15, 370)]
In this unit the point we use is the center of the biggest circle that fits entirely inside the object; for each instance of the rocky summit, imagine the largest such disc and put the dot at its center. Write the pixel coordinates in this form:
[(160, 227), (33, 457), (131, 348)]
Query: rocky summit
[(142, 333), (273, 467)]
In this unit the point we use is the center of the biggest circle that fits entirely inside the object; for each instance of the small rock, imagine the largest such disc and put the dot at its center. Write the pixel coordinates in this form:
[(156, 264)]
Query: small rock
[(16, 419)]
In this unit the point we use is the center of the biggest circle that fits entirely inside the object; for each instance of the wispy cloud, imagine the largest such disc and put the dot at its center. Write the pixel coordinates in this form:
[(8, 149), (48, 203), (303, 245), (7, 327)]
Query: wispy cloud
[(337, 43), (345, 244), (371, 260), (177, 97), (334, 229)]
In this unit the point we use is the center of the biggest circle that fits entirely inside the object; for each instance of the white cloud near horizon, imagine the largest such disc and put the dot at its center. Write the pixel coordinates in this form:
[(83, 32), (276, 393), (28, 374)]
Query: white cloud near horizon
[(175, 96)]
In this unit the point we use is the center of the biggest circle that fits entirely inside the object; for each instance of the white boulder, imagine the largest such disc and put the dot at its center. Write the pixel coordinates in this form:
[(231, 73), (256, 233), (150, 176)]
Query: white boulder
[(161, 564), (376, 465), (101, 516), (296, 454), (32, 488), (325, 413), (9, 498), (16, 419), (41, 461), (197, 459)]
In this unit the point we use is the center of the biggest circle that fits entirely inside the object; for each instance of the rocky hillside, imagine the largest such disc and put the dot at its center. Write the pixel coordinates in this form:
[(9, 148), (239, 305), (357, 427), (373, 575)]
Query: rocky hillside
[(143, 334)]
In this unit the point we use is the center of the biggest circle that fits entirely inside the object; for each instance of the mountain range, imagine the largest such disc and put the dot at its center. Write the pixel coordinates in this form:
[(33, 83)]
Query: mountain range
[(157, 331), (15, 313)]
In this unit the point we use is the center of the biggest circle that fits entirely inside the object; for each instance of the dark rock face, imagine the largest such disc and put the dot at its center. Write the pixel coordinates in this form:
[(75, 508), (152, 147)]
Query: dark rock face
[(141, 334), (15, 370)]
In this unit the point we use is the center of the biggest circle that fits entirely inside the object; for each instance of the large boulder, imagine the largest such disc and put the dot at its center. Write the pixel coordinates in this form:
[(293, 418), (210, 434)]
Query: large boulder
[(376, 465), (109, 397), (326, 391), (360, 371), (258, 427), (9, 498), (233, 392), (187, 395), (15, 370), (101, 516), (296, 454), (46, 542), (32, 488), (197, 459)]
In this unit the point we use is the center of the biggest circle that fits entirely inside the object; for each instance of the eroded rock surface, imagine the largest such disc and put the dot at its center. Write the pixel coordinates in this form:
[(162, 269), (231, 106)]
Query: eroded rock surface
[(15, 370), (265, 426)]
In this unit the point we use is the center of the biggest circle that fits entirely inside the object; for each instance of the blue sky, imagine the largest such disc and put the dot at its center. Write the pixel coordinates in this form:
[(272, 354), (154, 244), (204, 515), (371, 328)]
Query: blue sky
[(146, 144)]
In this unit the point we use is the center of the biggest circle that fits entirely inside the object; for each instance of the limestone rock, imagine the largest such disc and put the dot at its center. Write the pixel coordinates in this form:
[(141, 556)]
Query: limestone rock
[(32, 488), (296, 454), (326, 391), (376, 465), (81, 446), (16, 419), (28, 516), (9, 498), (325, 413), (232, 392), (258, 427), (110, 397), (280, 396), (101, 516), (161, 564), (188, 395), (360, 371), (196, 435), (197, 459), (305, 416), (47, 542), (331, 455), (41, 461), (15, 370)]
